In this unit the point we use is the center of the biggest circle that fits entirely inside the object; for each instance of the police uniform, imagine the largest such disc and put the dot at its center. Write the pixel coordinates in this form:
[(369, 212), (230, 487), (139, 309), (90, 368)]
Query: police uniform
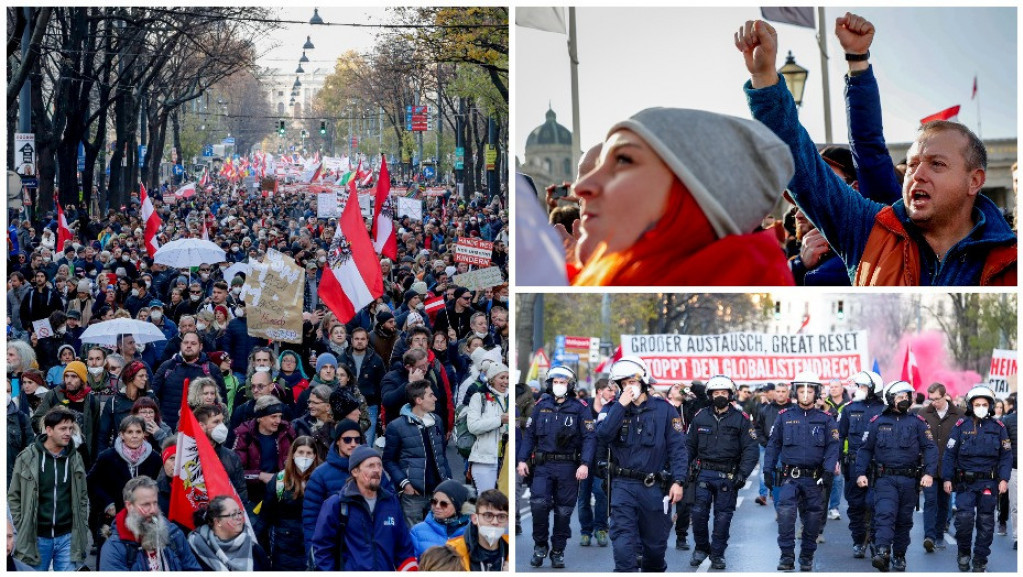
[(899, 446), (648, 454), (560, 438), (852, 424), (977, 457), (805, 441), (724, 451)]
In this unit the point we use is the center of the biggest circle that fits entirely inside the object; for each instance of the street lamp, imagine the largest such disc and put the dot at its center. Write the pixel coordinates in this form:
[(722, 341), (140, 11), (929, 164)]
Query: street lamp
[(316, 17), (304, 58), (308, 44), (299, 70), (795, 78), (297, 83)]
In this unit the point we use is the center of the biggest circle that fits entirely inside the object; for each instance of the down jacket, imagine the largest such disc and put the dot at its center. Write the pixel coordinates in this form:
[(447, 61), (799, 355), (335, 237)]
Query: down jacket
[(405, 453), (484, 421), (121, 551)]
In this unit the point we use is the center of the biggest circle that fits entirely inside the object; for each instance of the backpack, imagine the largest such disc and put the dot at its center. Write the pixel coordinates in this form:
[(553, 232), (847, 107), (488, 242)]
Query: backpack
[(464, 440)]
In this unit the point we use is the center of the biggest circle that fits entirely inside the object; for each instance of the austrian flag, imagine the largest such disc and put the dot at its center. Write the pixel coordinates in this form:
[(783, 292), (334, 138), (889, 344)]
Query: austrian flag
[(385, 240), (152, 221), (63, 230), (355, 279)]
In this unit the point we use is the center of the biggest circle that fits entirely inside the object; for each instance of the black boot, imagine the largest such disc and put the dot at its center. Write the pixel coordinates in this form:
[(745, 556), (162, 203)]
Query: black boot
[(964, 562), (539, 554), (806, 562), (698, 557), (979, 565), (882, 559), (558, 559), (899, 562), (787, 562), (680, 543), (718, 563)]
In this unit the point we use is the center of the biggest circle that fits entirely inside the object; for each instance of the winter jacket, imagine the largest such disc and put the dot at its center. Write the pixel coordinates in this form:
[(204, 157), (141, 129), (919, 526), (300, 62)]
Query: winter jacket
[(382, 344), (238, 344), (326, 480), (281, 516), (88, 420), (19, 436), (1010, 425), (524, 403), (484, 421), (112, 413), (121, 552), (169, 329), (405, 452), (14, 299), (393, 396), (39, 305), (246, 446), (372, 373), (432, 533), (941, 427), (111, 473), (377, 541), (24, 502), (468, 549), (169, 383), (878, 243)]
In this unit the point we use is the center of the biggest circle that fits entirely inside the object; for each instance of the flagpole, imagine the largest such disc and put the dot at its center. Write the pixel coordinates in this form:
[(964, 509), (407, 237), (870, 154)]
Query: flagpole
[(822, 42), (573, 58), (976, 96)]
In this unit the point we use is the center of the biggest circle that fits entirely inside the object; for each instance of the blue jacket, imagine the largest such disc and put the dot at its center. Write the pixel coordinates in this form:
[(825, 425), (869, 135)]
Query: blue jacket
[(978, 446), (326, 480), (377, 541), (122, 553), (405, 455), (238, 344), (432, 533), (897, 441), (846, 219)]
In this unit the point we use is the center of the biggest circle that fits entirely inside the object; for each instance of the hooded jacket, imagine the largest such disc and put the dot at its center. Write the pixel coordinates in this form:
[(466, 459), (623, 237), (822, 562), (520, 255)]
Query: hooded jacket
[(432, 533), (19, 436), (405, 452), (484, 421), (377, 541), (326, 480), (88, 419), (27, 501), (121, 552)]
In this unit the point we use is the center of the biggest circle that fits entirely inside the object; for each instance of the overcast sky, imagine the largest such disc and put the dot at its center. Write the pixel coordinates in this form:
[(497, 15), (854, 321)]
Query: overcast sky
[(282, 48), (630, 59)]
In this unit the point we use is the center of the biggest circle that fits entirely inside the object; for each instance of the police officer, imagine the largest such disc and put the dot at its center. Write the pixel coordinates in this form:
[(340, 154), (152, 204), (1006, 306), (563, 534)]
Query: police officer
[(723, 449), (900, 445), (805, 440), (852, 423), (647, 469), (977, 464), (560, 438)]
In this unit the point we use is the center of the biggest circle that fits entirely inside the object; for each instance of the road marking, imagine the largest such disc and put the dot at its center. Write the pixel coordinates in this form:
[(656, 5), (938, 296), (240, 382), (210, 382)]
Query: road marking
[(703, 566), (738, 502)]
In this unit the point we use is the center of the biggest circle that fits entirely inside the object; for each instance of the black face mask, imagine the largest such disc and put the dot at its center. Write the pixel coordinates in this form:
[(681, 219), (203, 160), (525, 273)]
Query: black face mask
[(903, 406), (720, 402)]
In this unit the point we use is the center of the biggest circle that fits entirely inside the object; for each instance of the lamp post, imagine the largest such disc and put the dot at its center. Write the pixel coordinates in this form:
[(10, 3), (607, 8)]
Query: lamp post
[(795, 78), (316, 17)]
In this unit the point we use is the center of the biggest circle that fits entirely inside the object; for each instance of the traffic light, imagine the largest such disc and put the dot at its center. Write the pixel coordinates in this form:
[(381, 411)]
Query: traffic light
[(280, 127), (777, 310), (841, 310), (323, 127)]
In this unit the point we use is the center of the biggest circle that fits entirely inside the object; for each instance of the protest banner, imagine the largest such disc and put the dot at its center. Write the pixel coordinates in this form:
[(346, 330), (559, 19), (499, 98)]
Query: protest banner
[(410, 207), (273, 295), (42, 328), (750, 357), (327, 205), (1002, 376), (479, 279), (473, 251)]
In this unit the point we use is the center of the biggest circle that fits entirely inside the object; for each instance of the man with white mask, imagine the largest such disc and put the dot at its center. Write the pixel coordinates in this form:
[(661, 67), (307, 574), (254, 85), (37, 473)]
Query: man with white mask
[(484, 546), (558, 446), (211, 419)]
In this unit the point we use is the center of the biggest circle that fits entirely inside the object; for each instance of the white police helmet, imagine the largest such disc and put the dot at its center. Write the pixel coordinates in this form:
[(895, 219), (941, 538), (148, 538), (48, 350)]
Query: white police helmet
[(630, 366), (720, 383), (896, 388), (561, 372), (871, 380), (980, 392)]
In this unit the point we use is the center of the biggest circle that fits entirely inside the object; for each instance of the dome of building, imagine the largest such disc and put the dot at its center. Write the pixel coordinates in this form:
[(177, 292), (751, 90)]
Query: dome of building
[(549, 133)]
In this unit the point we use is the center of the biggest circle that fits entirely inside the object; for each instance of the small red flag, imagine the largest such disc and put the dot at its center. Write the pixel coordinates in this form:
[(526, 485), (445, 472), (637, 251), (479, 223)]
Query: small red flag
[(947, 114)]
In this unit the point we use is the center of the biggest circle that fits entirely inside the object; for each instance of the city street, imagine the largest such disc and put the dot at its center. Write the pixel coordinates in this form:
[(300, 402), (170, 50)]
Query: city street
[(753, 546)]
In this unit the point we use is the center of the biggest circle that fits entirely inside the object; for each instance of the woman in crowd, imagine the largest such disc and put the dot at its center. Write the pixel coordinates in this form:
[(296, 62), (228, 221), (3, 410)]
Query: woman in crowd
[(445, 519), (281, 513), (55, 376), (318, 422), (32, 391), (204, 391), (220, 541), (156, 430), (488, 420), (134, 385), (290, 374)]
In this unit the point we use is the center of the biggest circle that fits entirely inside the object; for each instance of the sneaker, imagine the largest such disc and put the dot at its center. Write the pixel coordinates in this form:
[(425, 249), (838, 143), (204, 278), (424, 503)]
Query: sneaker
[(787, 563), (940, 543), (859, 551), (899, 562), (964, 562), (681, 544), (979, 565), (718, 563), (698, 557), (805, 563), (584, 540), (1002, 529), (558, 559), (834, 515), (820, 538), (762, 501), (601, 538), (539, 554), (929, 545)]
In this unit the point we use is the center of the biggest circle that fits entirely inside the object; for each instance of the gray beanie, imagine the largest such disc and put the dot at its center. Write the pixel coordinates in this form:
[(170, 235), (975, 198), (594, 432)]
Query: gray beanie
[(735, 168), (360, 454)]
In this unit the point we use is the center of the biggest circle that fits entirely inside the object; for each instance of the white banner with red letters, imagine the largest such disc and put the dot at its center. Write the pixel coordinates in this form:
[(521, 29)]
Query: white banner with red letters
[(749, 357), (1002, 376)]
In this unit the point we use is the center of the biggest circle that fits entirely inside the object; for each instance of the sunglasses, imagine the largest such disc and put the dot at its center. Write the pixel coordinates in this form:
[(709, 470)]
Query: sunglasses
[(196, 292), (351, 440), (439, 503)]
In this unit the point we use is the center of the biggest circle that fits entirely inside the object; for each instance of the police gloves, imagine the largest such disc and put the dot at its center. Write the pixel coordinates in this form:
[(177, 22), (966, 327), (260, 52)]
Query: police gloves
[(769, 480), (738, 483)]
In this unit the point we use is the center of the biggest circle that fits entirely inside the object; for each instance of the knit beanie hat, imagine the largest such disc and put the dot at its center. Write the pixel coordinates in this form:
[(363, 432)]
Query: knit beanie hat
[(459, 291), (384, 316), (734, 168), (456, 491), (344, 426), (360, 454), (324, 360), (78, 368), (129, 372), (217, 357), (494, 370), (60, 350), (342, 403), (419, 287)]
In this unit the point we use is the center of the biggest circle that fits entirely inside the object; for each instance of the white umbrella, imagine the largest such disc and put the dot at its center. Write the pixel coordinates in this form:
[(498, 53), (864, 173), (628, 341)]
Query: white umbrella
[(107, 332), (189, 252)]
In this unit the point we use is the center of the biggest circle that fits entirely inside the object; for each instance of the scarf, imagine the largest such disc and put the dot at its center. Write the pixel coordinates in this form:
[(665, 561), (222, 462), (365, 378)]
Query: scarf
[(683, 250), (134, 457), (218, 555), (78, 395), (338, 350)]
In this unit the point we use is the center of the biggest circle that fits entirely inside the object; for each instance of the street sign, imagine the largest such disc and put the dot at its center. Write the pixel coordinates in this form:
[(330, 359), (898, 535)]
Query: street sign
[(81, 157), (25, 153), (142, 154), (178, 170), (566, 358), (417, 118), (559, 341), (229, 140), (30, 182), (459, 157), (207, 150), (428, 172), (491, 156), (577, 343), (594, 350)]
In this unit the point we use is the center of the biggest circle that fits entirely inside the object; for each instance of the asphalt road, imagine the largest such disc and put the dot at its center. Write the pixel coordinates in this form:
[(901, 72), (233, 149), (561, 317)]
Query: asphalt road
[(753, 546)]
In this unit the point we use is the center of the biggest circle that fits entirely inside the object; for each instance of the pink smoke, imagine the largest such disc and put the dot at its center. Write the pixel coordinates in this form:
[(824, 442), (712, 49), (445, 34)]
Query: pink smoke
[(935, 365)]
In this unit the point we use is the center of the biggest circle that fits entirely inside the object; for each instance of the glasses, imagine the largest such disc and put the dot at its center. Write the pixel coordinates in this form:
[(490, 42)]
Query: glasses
[(239, 515), (351, 440), (196, 292), (439, 503), (492, 517), (204, 270)]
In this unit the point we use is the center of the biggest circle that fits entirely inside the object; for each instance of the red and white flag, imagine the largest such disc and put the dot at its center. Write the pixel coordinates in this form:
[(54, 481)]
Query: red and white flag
[(974, 87), (910, 370), (198, 473), (356, 278), (434, 304), (205, 233), (947, 114), (205, 180), (605, 367), (385, 241), (152, 221), (63, 230)]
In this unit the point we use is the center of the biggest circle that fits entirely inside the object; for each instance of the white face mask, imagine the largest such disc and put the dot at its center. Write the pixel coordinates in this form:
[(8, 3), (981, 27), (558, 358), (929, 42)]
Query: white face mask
[(859, 395), (491, 534), (479, 334), (205, 276), (134, 292), (980, 412), (9, 398), (236, 290), (96, 370), (303, 463), (200, 326), (262, 369), (559, 390), (636, 391), (156, 315), (195, 298), (219, 433)]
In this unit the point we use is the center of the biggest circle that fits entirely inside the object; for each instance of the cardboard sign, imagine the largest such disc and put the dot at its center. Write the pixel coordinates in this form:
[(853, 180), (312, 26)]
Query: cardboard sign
[(327, 205), (410, 207), (1002, 375), (479, 279), (42, 328), (274, 293), (474, 251)]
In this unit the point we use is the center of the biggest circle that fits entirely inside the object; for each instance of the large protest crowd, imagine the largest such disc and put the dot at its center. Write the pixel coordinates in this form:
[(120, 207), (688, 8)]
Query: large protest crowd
[(338, 449)]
